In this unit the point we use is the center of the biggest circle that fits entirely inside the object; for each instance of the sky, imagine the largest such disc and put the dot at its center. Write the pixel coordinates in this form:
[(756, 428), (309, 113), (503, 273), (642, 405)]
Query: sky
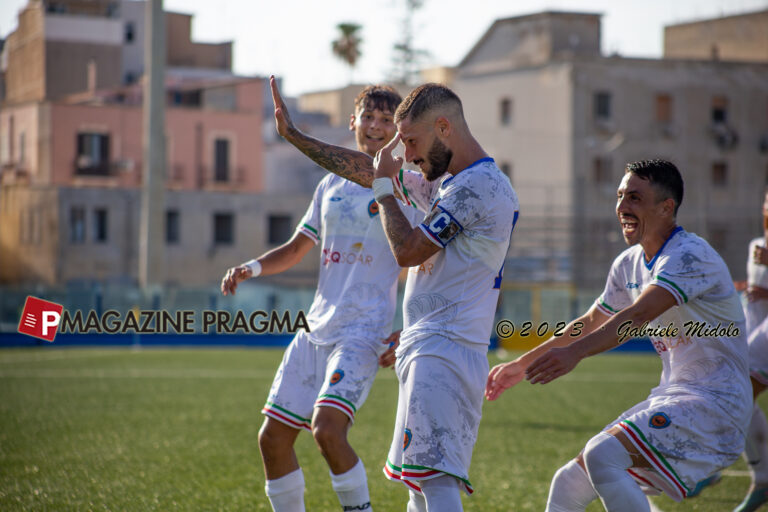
[(292, 38)]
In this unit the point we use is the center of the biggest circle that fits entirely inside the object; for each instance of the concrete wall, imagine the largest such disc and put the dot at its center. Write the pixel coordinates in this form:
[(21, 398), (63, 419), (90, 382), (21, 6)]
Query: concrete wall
[(742, 38), (25, 50), (36, 237)]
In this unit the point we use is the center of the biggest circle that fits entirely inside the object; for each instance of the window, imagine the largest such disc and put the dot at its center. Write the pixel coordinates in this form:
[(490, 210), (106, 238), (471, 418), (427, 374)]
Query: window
[(719, 109), (720, 174), (280, 228), (92, 154), (172, 227), (100, 225), (602, 106), (221, 160), (506, 168), (130, 32), (601, 170), (223, 228), (663, 108), (505, 112), (77, 224)]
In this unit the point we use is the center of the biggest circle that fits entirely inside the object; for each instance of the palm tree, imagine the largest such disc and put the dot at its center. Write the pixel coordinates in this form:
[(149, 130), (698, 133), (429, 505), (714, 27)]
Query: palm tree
[(347, 46)]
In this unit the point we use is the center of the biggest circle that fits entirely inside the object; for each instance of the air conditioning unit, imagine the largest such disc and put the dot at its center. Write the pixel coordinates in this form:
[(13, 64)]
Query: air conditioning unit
[(725, 136)]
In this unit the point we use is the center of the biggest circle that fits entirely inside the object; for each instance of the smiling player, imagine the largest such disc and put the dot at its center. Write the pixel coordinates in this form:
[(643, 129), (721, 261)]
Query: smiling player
[(326, 374), (693, 423)]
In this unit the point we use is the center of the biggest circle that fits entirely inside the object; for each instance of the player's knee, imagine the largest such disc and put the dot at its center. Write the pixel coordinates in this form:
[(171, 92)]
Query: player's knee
[(329, 428), (274, 436), (604, 455)]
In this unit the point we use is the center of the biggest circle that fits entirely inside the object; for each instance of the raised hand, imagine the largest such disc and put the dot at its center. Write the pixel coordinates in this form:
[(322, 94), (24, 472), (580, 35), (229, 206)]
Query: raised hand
[(502, 377), (384, 165), (233, 277), (283, 121)]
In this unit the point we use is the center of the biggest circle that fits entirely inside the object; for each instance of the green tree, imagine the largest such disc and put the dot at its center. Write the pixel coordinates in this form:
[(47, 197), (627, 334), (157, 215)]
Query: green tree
[(347, 46)]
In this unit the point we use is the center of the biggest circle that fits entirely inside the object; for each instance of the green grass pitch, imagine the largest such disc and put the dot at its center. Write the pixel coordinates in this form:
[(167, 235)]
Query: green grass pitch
[(126, 430)]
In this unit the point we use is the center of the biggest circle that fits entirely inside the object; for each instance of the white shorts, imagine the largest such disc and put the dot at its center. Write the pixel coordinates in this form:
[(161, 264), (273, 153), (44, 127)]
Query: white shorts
[(684, 437), (310, 375), (441, 385), (758, 353)]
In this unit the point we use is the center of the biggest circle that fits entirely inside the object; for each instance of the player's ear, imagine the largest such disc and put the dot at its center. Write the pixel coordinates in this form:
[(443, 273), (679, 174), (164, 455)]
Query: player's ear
[(442, 126), (669, 207), (352, 118)]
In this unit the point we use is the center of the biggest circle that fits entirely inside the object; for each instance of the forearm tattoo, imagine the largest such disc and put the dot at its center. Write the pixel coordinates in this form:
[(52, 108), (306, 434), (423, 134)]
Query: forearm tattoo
[(396, 225), (347, 163)]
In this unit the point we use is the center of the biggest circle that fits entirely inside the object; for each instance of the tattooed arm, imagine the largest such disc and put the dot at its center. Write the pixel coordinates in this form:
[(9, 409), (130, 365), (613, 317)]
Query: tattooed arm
[(410, 246), (347, 163)]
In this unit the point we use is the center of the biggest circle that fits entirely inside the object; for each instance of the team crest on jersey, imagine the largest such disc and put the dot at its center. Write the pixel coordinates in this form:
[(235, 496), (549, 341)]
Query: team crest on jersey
[(659, 420), (335, 198), (373, 208), (407, 436), (336, 377)]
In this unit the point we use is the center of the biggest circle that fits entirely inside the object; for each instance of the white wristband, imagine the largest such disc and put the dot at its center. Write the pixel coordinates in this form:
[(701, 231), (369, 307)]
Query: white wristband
[(382, 187), (255, 267)]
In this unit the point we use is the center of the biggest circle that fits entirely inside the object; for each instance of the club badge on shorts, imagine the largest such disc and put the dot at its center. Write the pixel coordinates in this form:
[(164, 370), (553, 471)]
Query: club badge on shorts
[(407, 436)]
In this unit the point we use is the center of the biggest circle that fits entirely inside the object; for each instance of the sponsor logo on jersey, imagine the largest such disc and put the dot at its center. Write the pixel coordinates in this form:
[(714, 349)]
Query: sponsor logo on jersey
[(336, 377), (632, 285), (659, 420), (335, 198), (407, 436), (349, 258), (373, 208)]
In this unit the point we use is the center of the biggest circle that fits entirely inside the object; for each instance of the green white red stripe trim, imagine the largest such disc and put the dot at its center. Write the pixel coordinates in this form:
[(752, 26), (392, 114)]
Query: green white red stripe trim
[(410, 475), (652, 455), (311, 232), (337, 402), (399, 184), (287, 417), (605, 308)]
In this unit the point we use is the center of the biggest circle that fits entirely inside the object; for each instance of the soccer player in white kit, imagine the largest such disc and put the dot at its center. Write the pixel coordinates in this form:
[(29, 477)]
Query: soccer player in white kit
[(456, 257), (327, 373), (675, 286), (756, 312)]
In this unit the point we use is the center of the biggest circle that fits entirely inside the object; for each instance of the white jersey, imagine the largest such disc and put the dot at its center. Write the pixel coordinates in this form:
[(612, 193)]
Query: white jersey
[(357, 285), (757, 275), (707, 354), (470, 216)]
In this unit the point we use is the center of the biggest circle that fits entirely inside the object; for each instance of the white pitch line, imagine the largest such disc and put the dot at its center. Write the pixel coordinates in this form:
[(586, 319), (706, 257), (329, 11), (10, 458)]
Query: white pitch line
[(132, 373)]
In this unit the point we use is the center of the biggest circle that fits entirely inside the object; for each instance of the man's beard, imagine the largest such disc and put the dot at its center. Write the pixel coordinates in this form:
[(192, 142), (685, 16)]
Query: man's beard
[(439, 157)]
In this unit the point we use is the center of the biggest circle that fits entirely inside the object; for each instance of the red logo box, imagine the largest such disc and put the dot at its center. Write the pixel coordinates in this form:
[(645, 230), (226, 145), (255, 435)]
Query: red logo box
[(40, 318)]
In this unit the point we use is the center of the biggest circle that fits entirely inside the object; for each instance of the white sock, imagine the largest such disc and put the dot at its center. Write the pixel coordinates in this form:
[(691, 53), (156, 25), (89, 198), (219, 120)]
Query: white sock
[(607, 462), (571, 490), (352, 488), (442, 494), (416, 502), (286, 494), (756, 449)]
